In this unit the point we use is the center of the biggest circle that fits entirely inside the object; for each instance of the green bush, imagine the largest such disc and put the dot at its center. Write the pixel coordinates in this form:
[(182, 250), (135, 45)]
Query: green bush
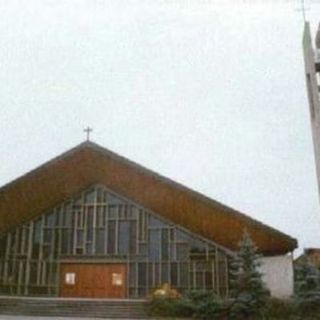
[(169, 307), (184, 307), (281, 309), (207, 305), (198, 304), (290, 309)]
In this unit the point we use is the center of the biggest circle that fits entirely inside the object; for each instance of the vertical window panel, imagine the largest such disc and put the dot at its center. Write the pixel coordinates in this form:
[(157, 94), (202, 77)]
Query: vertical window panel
[(199, 280), (184, 275), (132, 275), (142, 274), (133, 237), (142, 225), (89, 248), (90, 196), (154, 244), (133, 212), (165, 244), (113, 211), (100, 197), (47, 235), (208, 280), (174, 274), (124, 236), (143, 249), (111, 236), (3, 244), (165, 273), (50, 219), (100, 241), (151, 275), (36, 239), (66, 241), (155, 222), (67, 215), (157, 275), (80, 238), (100, 222), (182, 251)]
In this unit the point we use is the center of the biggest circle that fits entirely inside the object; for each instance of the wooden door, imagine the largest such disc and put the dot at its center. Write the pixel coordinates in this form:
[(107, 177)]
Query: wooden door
[(89, 280)]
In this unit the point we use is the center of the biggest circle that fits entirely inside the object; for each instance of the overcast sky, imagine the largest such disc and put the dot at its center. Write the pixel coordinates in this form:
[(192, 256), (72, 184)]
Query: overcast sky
[(208, 93)]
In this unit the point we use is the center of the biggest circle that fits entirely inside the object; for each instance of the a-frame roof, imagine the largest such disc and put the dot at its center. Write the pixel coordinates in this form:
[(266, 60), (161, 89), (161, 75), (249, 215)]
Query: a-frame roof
[(89, 163)]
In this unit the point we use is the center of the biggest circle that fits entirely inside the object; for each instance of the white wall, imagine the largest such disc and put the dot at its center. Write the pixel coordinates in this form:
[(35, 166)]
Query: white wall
[(313, 94), (278, 275)]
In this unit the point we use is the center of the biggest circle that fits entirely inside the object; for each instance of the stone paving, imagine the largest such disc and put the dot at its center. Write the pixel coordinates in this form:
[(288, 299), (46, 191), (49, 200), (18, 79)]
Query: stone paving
[(4, 317)]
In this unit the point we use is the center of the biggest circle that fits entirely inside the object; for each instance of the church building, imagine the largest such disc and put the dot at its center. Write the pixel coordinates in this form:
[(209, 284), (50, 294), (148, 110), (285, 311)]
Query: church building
[(93, 224)]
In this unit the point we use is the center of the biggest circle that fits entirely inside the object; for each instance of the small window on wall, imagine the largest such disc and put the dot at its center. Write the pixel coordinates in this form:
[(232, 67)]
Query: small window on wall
[(70, 278)]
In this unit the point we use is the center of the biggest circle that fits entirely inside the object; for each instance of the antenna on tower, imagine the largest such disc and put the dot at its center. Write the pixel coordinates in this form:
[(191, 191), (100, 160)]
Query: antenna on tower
[(303, 9)]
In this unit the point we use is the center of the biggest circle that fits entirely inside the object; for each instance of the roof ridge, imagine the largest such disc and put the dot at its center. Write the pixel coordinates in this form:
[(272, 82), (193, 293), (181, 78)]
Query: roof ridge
[(196, 194), (181, 186), (45, 164)]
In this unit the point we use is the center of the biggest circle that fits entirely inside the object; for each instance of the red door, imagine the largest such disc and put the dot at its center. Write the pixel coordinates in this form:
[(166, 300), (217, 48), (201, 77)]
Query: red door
[(93, 280)]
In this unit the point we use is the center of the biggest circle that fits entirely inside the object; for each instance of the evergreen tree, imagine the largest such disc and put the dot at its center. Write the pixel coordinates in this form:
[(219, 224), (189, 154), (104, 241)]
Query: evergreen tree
[(249, 292), (307, 285)]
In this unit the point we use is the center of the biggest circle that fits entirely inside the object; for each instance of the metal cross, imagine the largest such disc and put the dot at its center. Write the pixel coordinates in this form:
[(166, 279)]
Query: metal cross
[(88, 130), (303, 9)]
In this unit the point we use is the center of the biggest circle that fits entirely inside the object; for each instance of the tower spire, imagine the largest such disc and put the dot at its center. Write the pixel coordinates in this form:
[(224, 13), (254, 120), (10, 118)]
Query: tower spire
[(303, 9)]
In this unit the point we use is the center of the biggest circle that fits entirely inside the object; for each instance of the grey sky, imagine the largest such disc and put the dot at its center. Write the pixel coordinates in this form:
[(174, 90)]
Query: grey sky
[(209, 93)]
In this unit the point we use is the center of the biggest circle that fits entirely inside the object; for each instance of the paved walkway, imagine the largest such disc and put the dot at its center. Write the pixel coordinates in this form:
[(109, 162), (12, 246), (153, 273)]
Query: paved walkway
[(4, 317)]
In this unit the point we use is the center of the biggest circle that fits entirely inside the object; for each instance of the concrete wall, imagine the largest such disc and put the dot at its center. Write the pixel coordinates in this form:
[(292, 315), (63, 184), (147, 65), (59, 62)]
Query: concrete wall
[(278, 275), (313, 94)]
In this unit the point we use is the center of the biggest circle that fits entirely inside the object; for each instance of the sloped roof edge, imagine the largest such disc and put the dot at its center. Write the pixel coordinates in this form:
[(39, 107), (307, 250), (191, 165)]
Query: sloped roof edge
[(184, 188), (91, 145)]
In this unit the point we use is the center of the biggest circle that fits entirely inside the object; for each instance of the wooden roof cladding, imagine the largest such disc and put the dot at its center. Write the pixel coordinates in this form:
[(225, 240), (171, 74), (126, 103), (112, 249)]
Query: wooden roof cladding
[(88, 164)]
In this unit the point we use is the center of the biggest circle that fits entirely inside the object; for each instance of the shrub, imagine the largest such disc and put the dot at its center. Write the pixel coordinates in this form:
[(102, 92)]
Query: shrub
[(198, 304), (169, 307), (207, 305), (184, 307), (281, 309)]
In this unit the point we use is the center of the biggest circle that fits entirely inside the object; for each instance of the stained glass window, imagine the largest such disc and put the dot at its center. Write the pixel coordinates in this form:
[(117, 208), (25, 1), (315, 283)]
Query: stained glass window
[(99, 224)]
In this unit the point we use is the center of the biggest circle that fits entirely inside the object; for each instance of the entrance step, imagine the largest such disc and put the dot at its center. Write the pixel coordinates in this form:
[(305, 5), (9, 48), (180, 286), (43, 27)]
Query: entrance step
[(67, 307)]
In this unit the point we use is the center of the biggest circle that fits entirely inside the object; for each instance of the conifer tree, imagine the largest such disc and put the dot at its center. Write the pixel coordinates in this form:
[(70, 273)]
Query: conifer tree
[(307, 285), (249, 292)]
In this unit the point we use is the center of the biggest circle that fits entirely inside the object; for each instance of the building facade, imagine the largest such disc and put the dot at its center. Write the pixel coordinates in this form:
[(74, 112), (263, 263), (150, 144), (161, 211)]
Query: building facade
[(139, 249), (309, 256), (93, 224)]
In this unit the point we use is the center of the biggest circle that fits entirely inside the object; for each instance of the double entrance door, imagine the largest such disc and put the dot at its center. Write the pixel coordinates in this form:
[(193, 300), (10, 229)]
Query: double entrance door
[(89, 280)]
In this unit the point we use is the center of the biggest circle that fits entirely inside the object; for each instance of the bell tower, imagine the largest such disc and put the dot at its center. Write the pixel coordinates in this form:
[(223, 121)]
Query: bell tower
[(312, 74)]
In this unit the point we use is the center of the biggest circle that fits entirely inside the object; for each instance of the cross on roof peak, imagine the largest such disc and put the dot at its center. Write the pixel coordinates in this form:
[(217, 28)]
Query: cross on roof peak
[(88, 130)]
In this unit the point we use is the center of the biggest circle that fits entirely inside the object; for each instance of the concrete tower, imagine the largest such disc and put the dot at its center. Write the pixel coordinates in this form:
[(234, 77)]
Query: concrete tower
[(312, 73)]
